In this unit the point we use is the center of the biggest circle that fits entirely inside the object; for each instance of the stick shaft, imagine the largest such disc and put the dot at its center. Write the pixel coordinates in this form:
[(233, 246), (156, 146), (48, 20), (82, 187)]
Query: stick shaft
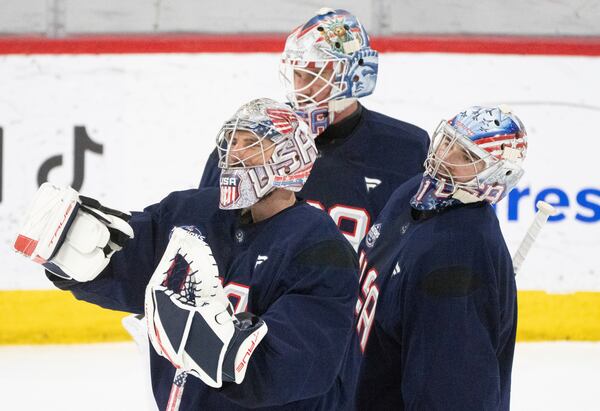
[(176, 390), (544, 211)]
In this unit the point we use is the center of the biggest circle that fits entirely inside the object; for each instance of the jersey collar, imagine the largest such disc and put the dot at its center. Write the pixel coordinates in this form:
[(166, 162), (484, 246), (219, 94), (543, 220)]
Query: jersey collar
[(337, 133)]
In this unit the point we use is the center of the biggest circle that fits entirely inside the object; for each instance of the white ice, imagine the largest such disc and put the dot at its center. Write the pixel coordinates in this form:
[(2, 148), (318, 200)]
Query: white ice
[(546, 376)]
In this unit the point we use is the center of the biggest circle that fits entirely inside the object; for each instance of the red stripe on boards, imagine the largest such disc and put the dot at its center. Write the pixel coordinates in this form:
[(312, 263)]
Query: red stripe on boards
[(273, 43)]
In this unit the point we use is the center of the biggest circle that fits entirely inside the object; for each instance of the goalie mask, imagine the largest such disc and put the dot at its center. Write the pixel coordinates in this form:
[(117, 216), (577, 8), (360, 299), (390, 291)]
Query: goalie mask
[(262, 147), (476, 156), (327, 63)]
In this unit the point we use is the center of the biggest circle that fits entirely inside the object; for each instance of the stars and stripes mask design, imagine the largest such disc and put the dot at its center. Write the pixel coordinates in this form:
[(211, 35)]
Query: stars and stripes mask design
[(264, 146), (229, 189), (327, 64), (476, 156)]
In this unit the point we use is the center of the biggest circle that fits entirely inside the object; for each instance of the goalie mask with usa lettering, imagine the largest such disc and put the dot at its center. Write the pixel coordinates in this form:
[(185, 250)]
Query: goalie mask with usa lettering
[(263, 147), (476, 156), (326, 65)]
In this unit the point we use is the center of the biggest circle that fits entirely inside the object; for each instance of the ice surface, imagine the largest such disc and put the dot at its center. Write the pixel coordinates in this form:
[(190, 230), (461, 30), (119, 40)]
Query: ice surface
[(547, 376)]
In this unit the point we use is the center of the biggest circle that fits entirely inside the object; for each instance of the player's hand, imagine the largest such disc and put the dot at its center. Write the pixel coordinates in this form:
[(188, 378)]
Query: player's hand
[(191, 321), (73, 236)]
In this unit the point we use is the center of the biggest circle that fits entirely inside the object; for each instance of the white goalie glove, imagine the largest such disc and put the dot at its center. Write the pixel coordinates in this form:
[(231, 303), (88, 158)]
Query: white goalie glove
[(72, 236), (190, 320)]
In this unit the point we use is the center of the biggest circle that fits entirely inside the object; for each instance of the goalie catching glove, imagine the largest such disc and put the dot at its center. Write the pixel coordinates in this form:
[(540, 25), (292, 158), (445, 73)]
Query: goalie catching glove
[(190, 319), (72, 236)]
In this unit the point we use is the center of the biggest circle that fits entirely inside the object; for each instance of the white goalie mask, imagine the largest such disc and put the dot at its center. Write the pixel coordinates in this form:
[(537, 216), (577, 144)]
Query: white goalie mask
[(476, 156), (264, 146), (326, 65)]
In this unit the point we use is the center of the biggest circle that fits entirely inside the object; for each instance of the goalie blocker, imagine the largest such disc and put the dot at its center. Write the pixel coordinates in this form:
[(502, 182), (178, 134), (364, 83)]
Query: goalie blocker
[(71, 235)]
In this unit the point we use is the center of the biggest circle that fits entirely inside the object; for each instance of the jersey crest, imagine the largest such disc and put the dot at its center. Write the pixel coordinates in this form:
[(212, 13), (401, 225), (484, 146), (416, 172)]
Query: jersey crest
[(373, 235), (230, 189)]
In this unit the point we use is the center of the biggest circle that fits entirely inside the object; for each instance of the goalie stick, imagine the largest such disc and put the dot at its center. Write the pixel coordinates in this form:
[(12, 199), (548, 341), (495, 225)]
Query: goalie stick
[(176, 390), (545, 210)]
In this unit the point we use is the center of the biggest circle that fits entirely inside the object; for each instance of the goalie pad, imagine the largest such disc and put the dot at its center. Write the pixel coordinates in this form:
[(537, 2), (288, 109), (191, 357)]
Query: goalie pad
[(72, 236), (190, 319)]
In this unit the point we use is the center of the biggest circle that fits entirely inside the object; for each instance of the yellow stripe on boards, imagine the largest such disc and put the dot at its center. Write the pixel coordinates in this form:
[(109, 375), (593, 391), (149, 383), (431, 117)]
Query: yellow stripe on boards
[(56, 317), (545, 317)]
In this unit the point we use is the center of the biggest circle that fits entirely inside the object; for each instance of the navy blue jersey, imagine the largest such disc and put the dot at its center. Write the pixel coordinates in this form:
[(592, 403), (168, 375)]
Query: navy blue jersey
[(294, 270), (437, 313), (362, 160)]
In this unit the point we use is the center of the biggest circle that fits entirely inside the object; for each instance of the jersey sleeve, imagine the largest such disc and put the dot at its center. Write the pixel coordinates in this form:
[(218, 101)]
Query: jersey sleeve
[(451, 324), (121, 285), (309, 330), (210, 176)]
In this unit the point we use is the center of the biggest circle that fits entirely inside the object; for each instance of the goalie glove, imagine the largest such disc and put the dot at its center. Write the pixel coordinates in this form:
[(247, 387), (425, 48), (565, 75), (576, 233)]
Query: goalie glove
[(72, 236), (190, 319)]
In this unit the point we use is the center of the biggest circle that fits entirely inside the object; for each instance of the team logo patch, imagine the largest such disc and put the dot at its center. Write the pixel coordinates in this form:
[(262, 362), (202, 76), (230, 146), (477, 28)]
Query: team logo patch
[(373, 235), (230, 190), (239, 236)]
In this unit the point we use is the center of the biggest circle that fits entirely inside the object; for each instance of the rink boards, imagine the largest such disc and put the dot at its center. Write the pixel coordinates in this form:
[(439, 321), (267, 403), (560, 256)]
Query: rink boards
[(130, 128), (55, 317)]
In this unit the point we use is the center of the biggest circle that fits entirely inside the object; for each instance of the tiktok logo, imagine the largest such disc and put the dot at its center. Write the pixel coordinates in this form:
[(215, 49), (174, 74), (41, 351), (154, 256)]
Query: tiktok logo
[(83, 142)]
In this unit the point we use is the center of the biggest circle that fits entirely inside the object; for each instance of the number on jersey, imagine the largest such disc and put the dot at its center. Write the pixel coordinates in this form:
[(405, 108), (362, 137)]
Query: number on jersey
[(238, 296), (357, 219), (367, 301)]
